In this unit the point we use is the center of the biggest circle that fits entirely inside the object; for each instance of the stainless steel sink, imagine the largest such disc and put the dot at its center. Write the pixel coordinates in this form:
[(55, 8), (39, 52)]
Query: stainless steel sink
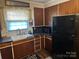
[(20, 37)]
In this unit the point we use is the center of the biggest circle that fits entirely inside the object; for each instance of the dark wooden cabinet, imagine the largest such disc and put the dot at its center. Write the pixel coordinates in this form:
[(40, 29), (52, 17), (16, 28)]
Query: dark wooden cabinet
[(23, 49), (38, 15), (48, 44), (6, 53)]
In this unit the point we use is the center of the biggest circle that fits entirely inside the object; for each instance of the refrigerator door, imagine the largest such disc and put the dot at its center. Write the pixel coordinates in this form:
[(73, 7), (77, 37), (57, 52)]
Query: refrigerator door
[(63, 33)]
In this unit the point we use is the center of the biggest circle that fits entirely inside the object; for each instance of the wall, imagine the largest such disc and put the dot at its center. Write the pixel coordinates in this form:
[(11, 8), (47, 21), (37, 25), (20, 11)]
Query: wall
[(66, 8)]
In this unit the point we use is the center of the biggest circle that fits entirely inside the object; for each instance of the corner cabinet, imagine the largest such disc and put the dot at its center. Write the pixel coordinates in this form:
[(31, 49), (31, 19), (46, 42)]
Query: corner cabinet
[(2, 3), (23, 48)]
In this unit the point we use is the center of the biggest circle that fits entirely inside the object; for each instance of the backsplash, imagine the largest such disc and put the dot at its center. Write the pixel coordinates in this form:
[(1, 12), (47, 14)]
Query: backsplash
[(18, 32)]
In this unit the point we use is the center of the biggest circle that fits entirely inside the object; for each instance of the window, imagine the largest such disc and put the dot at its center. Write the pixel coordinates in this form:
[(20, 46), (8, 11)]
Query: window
[(17, 25), (17, 18)]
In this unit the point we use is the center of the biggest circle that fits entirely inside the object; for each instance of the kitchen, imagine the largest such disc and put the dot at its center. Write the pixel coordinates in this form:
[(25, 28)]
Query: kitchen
[(32, 31)]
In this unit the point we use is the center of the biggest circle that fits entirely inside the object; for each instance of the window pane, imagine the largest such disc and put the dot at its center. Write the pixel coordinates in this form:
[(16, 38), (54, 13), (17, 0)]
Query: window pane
[(17, 25)]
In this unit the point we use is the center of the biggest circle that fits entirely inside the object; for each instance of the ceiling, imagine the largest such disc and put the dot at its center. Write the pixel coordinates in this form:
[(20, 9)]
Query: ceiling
[(41, 1)]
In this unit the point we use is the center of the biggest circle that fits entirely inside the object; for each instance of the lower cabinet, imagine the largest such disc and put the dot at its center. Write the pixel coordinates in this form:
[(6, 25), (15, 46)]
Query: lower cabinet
[(48, 44), (6, 53), (23, 49)]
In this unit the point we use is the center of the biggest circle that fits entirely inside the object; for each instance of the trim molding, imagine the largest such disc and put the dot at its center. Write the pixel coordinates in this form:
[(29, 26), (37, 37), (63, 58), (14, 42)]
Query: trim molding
[(36, 4), (44, 5)]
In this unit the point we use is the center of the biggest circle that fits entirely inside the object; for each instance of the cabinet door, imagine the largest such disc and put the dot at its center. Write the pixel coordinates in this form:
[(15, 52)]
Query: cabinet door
[(38, 15), (6, 53), (24, 49), (48, 44)]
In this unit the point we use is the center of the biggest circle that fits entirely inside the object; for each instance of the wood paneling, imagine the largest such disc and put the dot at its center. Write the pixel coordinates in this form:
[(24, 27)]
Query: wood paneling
[(67, 8), (49, 13), (6, 53), (77, 5), (38, 16)]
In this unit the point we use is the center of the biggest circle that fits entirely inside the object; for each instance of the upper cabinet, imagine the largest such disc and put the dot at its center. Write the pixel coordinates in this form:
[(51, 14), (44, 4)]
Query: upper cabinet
[(2, 3), (38, 16)]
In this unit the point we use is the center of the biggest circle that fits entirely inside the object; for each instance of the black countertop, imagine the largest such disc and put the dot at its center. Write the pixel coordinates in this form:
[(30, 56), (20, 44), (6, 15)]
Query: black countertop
[(9, 39), (5, 40)]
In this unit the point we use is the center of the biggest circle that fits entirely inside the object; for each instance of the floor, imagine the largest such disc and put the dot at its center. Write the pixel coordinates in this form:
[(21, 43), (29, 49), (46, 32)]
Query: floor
[(44, 54)]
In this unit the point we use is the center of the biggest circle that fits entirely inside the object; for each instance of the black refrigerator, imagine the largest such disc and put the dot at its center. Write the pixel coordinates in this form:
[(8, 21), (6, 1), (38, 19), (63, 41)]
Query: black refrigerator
[(64, 33)]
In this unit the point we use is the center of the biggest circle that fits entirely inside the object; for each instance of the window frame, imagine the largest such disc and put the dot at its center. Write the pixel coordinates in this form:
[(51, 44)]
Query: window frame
[(6, 20)]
